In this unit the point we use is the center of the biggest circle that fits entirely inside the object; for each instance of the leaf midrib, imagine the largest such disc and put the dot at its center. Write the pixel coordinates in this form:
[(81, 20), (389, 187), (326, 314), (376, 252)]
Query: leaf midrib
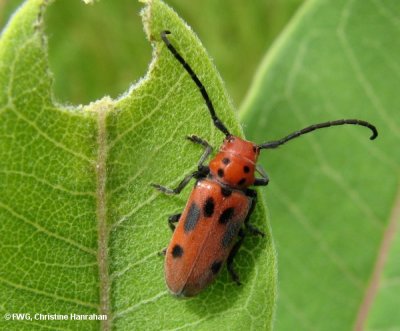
[(101, 212)]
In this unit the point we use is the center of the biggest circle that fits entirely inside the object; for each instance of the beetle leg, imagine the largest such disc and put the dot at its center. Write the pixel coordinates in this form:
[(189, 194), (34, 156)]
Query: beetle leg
[(163, 252), (261, 182), (232, 254), (176, 190), (201, 173), (264, 180), (208, 149), (173, 219), (252, 229)]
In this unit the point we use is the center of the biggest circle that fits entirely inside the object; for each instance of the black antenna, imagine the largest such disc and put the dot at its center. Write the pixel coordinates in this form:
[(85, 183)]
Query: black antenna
[(276, 143), (216, 120)]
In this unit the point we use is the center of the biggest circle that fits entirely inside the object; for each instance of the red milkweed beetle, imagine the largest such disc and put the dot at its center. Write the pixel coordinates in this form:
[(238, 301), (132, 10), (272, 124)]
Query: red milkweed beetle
[(212, 226)]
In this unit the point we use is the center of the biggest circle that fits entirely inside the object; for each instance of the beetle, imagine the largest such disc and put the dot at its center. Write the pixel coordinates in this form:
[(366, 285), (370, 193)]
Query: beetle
[(213, 225)]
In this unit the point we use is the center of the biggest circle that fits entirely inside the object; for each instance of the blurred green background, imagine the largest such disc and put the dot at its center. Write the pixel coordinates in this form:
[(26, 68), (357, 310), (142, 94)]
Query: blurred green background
[(90, 57)]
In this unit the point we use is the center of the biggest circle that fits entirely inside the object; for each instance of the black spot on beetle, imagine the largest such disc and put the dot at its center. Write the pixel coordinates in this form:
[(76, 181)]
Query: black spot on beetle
[(208, 208), (246, 169), (226, 215), (221, 172), (226, 161), (242, 181), (254, 149), (192, 217), (230, 233), (226, 192), (216, 267), (177, 251)]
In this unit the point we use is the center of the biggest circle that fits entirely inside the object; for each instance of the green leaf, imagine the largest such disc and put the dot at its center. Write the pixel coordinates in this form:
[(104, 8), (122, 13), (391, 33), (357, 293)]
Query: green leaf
[(332, 193), (81, 227)]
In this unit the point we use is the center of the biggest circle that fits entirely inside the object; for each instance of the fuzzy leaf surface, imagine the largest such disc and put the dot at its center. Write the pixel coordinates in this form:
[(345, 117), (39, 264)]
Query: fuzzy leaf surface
[(80, 225)]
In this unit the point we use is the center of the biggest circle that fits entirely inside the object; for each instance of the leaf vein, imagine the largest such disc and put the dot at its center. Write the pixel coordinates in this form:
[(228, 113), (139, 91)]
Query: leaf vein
[(150, 114), (150, 159), (44, 181), (47, 294), (336, 260), (47, 232), (139, 304), (359, 74), (48, 138)]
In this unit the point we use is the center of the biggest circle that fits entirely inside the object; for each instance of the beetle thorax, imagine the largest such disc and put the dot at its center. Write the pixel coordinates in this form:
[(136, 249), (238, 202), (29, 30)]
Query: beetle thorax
[(235, 163)]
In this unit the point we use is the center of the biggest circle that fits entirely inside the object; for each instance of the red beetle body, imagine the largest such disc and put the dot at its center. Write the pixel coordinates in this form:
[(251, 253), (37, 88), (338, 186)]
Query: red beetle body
[(214, 214), (204, 237), (235, 164), (212, 226)]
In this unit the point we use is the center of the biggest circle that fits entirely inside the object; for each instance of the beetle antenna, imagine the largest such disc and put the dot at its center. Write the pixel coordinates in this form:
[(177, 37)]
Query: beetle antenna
[(276, 143), (216, 120)]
